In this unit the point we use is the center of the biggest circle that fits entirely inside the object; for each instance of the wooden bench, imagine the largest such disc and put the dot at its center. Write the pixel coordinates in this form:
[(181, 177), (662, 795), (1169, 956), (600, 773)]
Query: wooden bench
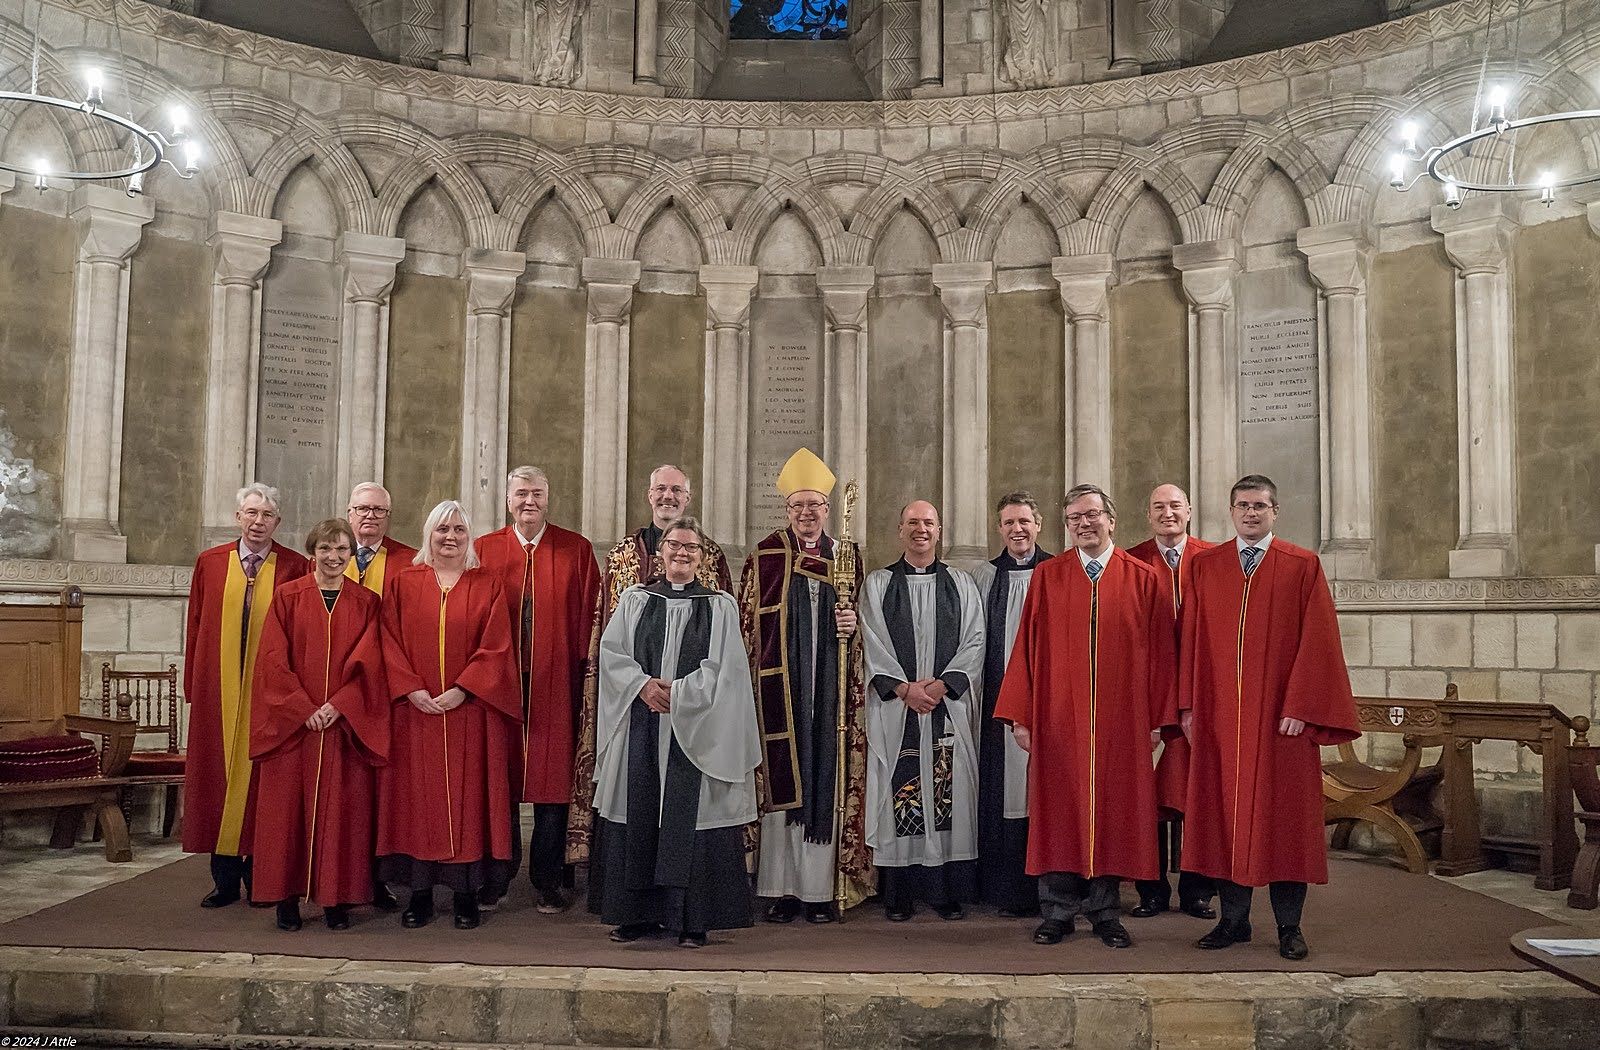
[(1394, 801), (1584, 761)]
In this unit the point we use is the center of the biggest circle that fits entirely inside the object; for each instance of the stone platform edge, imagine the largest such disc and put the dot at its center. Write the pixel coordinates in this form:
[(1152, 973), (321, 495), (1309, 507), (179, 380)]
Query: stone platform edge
[(125, 997)]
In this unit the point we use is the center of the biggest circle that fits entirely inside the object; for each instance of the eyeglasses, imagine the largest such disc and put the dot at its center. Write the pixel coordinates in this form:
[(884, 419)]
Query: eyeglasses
[(370, 512), (1259, 508), (808, 505), (662, 490), (257, 514), (1088, 517), (677, 545)]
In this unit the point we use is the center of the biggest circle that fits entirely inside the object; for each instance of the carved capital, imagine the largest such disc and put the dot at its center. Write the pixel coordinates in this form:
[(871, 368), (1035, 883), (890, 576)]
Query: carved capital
[(1085, 281), (728, 290), (1208, 269), (369, 264), (845, 290), (609, 283), (492, 279), (241, 246), (110, 223), (1338, 255), (964, 289), (1477, 235)]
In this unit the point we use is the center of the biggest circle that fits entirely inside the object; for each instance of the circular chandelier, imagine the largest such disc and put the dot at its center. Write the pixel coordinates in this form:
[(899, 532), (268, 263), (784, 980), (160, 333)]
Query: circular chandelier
[(146, 147), (1493, 109)]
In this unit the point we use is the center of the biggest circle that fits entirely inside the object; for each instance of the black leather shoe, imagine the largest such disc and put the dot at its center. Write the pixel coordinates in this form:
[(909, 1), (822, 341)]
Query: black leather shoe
[(1199, 909), (289, 915), (467, 916), (549, 901), (899, 914), (1051, 931), (692, 939), (784, 909), (1112, 933), (1149, 906), (950, 912), (219, 899), (1292, 943), (819, 914), (632, 931), (419, 912), (337, 916), (488, 900), (382, 899), (1226, 934)]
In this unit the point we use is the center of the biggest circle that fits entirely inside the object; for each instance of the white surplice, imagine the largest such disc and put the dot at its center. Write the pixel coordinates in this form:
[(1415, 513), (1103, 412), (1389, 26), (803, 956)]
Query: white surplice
[(1016, 795)]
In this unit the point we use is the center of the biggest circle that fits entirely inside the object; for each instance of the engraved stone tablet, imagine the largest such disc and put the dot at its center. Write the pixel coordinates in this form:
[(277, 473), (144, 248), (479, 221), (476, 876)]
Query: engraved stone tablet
[(786, 398), (1279, 413)]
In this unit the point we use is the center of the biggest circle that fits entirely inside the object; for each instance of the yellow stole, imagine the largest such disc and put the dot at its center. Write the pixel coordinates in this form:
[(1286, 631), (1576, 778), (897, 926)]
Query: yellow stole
[(236, 681), (372, 579)]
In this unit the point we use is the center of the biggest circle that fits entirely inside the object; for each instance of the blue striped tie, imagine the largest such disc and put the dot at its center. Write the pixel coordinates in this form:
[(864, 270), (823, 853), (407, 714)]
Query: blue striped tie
[(1093, 569), (1249, 557)]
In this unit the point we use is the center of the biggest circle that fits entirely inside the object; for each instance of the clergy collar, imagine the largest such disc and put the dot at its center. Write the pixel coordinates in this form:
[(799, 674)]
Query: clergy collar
[(523, 541), (912, 570), (801, 545), (1262, 544), (1104, 557), (1005, 560)]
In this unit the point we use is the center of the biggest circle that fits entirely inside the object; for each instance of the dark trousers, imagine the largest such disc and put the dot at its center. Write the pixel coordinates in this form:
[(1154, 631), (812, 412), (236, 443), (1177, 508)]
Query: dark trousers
[(1064, 896), (1192, 888), (954, 882), (547, 844), (228, 873), (1288, 901)]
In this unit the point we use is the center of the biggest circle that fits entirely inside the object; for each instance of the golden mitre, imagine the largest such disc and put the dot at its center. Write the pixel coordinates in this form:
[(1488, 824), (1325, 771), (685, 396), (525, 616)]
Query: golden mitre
[(803, 472)]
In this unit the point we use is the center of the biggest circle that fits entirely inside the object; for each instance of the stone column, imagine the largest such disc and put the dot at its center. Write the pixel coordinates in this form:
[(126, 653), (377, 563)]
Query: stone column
[(610, 284), (486, 381), (110, 225), (1209, 269), (646, 40), (845, 290), (369, 265), (456, 16), (1478, 238), (1338, 256), (725, 436), (241, 247), (1085, 282), (964, 291), (931, 24), (1124, 39)]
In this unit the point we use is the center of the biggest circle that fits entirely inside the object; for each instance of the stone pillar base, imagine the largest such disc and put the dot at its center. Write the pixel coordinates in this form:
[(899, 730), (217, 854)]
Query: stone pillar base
[(94, 542), (1348, 560), (1481, 561)]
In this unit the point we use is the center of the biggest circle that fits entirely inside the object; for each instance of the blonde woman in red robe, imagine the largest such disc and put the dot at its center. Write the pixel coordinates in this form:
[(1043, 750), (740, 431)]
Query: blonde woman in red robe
[(444, 799), (319, 728)]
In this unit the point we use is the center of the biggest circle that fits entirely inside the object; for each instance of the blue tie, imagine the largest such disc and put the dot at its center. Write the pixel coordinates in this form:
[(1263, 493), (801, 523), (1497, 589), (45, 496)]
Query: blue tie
[(1093, 569), (1172, 557), (364, 558), (1248, 558)]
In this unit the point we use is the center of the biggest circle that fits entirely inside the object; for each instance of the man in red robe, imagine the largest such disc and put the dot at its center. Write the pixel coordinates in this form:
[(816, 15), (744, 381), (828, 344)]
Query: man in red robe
[(1168, 552), (319, 726), (551, 585), (1262, 685), (1090, 680), (378, 556), (229, 596)]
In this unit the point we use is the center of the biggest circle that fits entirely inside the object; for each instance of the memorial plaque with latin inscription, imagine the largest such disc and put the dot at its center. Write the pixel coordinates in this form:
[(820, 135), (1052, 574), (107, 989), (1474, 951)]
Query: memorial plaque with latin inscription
[(297, 414), (786, 398), (1279, 398)]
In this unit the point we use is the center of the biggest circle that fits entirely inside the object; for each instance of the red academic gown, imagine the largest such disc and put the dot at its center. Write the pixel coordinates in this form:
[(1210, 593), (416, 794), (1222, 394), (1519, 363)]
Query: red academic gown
[(392, 558), (1172, 769), (316, 790), (445, 794), (219, 659), (1090, 688), (1255, 652), (566, 588)]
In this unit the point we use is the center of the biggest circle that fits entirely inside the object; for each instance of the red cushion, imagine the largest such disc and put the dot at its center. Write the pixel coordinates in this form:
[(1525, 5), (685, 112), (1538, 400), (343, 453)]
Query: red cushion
[(155, 764), (43, 758)]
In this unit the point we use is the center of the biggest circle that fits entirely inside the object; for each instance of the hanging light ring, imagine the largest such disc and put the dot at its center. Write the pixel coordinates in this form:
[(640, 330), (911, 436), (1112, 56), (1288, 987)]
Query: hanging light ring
[(152, 151), (1437, 154)]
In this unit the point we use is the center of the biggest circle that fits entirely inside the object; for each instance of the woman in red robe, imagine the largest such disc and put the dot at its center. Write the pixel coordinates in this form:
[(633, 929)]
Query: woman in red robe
[(318, 727), (444, 814)]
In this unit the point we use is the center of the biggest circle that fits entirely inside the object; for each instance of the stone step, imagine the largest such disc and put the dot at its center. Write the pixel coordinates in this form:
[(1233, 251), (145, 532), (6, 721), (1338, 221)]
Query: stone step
[(191, 1000)]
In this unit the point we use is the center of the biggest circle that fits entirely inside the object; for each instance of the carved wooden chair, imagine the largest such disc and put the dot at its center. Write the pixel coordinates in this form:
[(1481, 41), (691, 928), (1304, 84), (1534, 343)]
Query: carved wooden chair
[(150, 700), (1584, 760), (1394, 801)]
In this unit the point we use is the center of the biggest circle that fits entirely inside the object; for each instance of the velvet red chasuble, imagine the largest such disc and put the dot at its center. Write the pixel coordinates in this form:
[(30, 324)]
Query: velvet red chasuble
[(1172, 769), (316, 791), (1255, 651), (1091, 674), (445, 795), (219, 657), (565, 590)]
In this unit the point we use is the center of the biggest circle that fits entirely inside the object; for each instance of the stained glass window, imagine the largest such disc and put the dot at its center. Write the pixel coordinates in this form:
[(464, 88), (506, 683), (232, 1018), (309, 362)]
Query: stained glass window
[(788, 19)]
